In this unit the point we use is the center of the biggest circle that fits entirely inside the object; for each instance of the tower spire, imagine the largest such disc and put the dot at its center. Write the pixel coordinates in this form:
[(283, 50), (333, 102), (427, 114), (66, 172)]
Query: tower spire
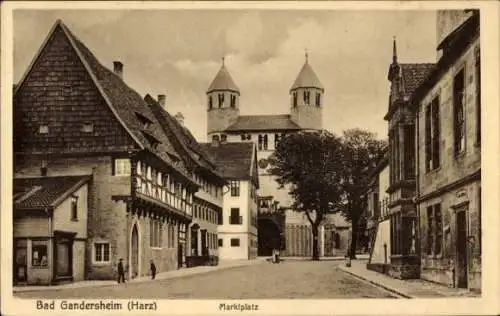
[(223, 60), (306, 55), (394, 50)]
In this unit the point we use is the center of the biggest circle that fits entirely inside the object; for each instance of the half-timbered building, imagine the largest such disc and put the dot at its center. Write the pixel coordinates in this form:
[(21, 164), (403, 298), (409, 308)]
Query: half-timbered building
[(73, 116)]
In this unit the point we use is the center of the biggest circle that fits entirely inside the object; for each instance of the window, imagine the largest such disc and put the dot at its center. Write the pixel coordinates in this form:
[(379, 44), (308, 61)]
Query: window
[(294, 97), (235, 218), (432, 135), (235, 188), (394, 162), (235, 242), (306, 95), (243, 137), (233, 101), (101, 252), (478, 95), (246, 137), (155, 229), (260, 143), (276, 140), (459, 112), (210, 102), (221, 99), (122, 167), (43, 129), (74, 208), (434, 230), (318, 99), (39, 254), (409, 152), (396, 234), (215, 138), (265, 142), (221, 242), (87, 128), (224, 137)]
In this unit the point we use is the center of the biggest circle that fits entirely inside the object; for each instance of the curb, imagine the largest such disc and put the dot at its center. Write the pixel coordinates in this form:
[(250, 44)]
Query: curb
[(137, 281), (376, 284)]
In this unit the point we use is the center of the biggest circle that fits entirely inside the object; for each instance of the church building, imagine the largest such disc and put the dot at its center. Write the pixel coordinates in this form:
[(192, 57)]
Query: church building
[(279, 226)]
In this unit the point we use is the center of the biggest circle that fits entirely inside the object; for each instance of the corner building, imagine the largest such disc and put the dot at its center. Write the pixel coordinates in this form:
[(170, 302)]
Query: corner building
[(75, 117), (279, 226)]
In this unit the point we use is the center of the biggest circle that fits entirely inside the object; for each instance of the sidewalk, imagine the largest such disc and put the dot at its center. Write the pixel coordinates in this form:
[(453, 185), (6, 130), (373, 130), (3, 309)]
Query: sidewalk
[(405, 288), (223, 264)]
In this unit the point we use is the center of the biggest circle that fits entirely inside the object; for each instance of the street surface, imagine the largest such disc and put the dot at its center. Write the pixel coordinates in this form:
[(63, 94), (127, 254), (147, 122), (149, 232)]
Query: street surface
[(287, 280)]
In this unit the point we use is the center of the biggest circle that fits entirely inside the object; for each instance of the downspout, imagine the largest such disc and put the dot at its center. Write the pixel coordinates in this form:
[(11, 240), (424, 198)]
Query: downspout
[(417, 182)]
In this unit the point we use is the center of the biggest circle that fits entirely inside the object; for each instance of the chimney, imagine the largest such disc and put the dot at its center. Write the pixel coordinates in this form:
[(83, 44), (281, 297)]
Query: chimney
[(180, 118), (118, 68), (162, 100)]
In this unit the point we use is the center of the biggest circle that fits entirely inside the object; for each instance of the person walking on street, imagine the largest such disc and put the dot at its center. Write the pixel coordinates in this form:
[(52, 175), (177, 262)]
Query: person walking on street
[(121, 271), (153, 270)]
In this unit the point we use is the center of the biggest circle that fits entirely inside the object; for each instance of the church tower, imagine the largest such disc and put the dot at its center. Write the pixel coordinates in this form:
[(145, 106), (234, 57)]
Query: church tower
[(306, 98), (223, 104)]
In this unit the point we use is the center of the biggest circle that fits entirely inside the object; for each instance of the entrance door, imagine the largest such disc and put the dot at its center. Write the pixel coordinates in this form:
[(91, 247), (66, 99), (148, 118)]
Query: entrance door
[(461, 265), (63, 258), (20, 262), (194, 242), (135, 252)]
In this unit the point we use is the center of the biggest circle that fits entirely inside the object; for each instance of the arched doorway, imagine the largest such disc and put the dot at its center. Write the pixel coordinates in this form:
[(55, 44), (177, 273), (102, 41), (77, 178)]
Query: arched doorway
[(134, 251), (195, 251), (269, 237)]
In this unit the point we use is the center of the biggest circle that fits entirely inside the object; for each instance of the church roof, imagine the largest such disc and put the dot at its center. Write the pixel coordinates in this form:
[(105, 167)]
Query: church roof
[(223, 81), (263, 122), (307, 78)]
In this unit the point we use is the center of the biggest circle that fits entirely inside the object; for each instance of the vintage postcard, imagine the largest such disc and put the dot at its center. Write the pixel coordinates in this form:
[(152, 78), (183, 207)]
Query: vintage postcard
[(182, 158)]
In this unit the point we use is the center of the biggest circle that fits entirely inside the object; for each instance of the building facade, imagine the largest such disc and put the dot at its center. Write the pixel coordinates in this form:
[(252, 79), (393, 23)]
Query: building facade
[(237, 230), (378, 218), (404, 79), (75, 117), (50, 229), (449, 156), (226, 124)]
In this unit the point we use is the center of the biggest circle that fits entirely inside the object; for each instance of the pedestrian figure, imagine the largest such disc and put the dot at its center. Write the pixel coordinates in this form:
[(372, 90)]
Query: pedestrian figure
[(121, 271), (153, 270)]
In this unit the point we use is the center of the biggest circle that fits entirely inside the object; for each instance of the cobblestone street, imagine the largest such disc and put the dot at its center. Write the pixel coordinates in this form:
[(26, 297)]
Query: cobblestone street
[(288, 280)]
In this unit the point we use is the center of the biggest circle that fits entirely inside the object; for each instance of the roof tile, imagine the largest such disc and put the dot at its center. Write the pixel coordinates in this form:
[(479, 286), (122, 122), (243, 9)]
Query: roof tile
[(41, 193), (264, 122)]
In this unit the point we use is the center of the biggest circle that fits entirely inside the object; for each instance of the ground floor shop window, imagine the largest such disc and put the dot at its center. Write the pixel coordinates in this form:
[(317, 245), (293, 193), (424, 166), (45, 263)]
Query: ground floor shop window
[(39, 253)]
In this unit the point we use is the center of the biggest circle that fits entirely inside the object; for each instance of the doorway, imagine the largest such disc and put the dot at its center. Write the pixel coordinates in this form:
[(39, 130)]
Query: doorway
[(21, 261), (461, 265), (134, 260), (63, 255), (269, 237)]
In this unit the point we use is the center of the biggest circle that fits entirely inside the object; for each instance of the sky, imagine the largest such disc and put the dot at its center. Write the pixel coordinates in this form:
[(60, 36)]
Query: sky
[(179, 52)]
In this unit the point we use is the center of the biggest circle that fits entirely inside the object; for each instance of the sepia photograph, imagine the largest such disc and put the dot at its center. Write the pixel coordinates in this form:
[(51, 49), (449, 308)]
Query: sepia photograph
[(243, 154)]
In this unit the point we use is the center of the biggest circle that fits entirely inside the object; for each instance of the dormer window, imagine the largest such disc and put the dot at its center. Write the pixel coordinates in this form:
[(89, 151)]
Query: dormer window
[(153, 141), (318, 99), (307, 95), (74, 208), (43, 129), (145, 122), (88, 128), (294, 97), (233, 101), (221, 99)]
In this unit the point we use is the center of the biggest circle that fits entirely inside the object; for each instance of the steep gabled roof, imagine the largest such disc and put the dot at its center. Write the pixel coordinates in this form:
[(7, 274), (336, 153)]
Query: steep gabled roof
[(307, 78), (182, 136), (223, 81), (45, 192), (233, 160), (413, 75), (126, 104), (263, 122)]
